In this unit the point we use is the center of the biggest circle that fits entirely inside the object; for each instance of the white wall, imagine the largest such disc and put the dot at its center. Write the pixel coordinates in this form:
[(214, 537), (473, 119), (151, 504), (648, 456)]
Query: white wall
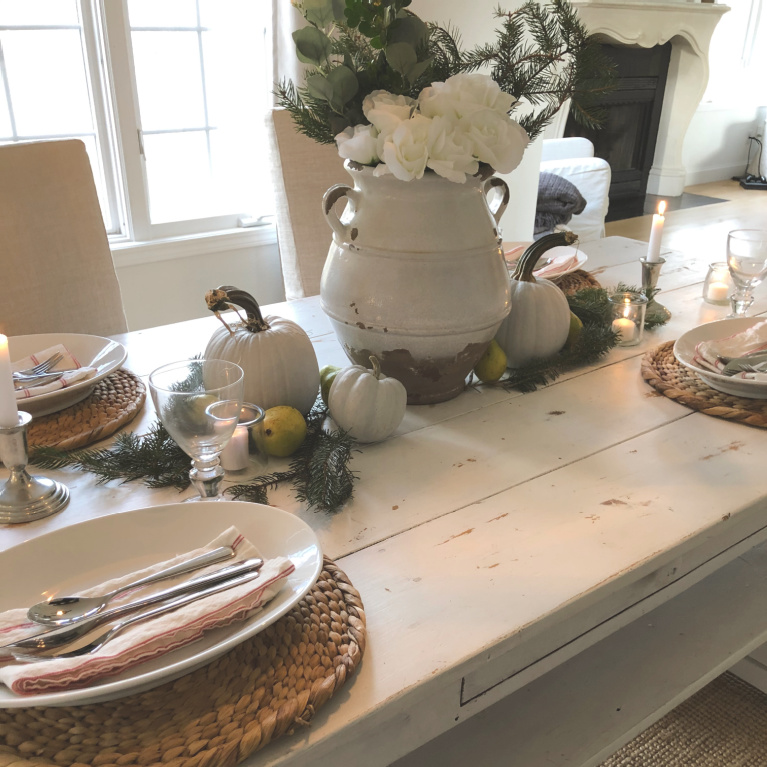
[(160, 288)]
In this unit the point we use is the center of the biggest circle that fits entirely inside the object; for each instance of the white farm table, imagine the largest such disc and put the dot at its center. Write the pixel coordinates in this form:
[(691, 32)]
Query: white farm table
[(543, 574)]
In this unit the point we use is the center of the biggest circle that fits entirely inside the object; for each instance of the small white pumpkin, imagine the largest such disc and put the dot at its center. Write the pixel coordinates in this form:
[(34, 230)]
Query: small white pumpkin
[(539, 320), (366, 404), (276, 355)]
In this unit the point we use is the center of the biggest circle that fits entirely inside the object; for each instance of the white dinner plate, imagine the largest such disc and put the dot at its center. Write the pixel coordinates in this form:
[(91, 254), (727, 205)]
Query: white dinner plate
[(684, 351), (68, 560), (90, 351), (560, 253)]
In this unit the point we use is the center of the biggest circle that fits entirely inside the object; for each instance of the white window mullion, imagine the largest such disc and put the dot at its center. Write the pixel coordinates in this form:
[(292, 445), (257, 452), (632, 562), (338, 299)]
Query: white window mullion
[(119, 66), (104, 116)]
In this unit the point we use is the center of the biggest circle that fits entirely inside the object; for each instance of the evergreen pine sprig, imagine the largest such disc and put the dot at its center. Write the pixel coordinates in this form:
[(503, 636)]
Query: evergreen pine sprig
[(153, 457), (319, 470)]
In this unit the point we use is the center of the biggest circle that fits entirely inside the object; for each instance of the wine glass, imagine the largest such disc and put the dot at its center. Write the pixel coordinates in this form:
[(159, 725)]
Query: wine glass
[(198, 402), (747, 262)]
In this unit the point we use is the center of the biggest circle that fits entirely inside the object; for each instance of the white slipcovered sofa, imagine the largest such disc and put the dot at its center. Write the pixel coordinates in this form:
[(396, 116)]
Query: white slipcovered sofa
[(573, 159)]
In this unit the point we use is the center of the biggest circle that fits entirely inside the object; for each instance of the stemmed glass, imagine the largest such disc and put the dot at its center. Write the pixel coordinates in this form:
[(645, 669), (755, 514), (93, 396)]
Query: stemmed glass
[(747, 261), (199, 402)]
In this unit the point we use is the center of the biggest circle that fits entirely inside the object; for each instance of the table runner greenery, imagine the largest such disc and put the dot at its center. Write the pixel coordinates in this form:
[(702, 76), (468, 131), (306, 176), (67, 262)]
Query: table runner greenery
[(319, 472)]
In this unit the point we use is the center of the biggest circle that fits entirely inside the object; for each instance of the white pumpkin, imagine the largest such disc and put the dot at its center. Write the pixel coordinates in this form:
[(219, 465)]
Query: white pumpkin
[(275, 353), (366, 404), (539, 320)]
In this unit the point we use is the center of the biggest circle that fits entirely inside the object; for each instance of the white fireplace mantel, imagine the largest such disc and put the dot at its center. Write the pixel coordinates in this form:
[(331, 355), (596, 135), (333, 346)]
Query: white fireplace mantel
[(689, 27)]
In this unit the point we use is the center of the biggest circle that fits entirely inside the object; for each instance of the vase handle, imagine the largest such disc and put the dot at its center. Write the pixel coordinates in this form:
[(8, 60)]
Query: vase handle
[(502, 200), (344, 232)]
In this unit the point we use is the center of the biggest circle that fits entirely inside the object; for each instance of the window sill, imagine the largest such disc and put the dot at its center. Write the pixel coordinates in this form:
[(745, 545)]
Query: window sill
[(137, 253)]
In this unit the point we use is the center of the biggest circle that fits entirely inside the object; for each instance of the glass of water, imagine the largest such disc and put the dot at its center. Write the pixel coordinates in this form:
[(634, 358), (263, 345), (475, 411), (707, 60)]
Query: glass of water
[(199, 402), (747, 262)]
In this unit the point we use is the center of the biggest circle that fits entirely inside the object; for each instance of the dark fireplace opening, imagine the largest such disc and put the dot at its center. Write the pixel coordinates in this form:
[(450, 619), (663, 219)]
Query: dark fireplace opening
[(627, 138)]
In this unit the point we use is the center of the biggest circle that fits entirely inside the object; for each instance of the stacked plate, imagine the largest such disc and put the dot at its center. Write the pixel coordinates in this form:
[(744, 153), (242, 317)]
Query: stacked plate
[(90, 351), (684, 351)]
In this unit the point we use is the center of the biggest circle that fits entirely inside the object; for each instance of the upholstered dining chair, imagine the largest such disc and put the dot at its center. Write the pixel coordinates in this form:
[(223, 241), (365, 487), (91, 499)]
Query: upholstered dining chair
[(302, 171), (56, 269)]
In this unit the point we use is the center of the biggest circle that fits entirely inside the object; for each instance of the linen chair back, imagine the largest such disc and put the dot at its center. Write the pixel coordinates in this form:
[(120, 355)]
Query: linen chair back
[(302, 171), (57, 270)]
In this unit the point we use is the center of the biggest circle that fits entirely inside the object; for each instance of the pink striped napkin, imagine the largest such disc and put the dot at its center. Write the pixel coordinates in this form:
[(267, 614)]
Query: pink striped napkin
[(78, 373), (708, 354), (148, 639)]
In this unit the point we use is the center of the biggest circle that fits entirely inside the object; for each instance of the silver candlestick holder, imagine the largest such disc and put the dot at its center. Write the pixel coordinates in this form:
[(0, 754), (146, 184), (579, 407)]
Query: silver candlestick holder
[(650, 274), (23, 497)]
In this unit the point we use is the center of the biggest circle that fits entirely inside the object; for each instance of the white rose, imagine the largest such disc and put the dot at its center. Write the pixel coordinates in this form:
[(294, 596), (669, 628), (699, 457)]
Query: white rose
[(359, 144), (406, 152), (496, 139), (450, 150), (464, 94), (386, 111)]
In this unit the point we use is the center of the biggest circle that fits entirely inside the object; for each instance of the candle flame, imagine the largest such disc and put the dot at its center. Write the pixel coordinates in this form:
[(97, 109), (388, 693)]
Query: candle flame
[(627, 311), (661, 207)]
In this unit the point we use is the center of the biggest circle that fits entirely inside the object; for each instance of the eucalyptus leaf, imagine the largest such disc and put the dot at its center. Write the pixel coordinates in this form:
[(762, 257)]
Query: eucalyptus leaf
[(313, 46), (321, 13), (401, 57), (339, 8), (344, 84), (319, 87), (409, 29), (418, 69)]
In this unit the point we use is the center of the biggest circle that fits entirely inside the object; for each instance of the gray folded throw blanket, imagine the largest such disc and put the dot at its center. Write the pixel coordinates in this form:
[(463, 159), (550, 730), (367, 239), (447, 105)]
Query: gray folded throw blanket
[(558, 201)]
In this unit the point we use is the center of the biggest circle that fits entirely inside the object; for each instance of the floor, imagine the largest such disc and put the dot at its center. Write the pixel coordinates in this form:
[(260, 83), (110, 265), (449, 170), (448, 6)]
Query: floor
[(703, 227)]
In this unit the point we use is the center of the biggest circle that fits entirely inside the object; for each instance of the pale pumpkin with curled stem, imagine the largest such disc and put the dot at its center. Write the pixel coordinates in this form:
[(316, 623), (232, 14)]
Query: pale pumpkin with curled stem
[(539, 321), (365, 404), (275, 353)]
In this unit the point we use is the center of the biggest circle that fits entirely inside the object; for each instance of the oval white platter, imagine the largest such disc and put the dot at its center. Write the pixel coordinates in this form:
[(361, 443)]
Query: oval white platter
[(90, 351), (684, 351), (72, 558)]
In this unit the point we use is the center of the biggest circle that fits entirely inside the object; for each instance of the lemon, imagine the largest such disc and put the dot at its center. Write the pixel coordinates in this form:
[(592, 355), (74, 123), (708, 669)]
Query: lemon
[(327, 376), (492, 364), (575, 330), (284, 430)]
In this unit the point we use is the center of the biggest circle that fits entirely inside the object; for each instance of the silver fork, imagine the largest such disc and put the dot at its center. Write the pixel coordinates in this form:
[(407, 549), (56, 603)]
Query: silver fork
[(41, 367), (733, 368), (101, 640)]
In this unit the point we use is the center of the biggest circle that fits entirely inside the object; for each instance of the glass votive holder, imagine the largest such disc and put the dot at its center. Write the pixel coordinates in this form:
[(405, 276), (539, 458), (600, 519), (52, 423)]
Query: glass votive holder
[(628, 316), (245, 449), (718, 284)]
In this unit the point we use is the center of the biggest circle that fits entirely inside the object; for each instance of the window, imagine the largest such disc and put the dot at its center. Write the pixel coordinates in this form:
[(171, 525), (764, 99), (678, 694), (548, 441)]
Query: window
[(168, 97)]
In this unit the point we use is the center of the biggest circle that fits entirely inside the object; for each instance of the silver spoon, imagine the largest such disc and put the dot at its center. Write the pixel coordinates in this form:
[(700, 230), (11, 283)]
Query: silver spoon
[(63, 635), (107, 635), (62, 611)]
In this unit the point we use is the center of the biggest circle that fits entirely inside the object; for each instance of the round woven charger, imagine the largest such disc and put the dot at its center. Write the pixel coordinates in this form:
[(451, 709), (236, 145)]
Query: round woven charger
[(215, 716), (115, 401), (663, 372), (575, 281)]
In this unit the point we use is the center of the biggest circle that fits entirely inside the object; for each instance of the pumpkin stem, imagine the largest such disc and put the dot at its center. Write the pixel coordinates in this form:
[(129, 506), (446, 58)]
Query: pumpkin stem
[(376, 367), (526, 264), (228, 297)]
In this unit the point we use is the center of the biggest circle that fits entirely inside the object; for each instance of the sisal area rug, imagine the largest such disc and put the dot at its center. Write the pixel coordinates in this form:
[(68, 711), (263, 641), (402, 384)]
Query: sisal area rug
[(722, 725)]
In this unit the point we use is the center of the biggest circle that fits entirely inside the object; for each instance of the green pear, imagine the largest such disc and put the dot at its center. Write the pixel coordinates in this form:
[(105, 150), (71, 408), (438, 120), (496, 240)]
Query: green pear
[(284, 430)]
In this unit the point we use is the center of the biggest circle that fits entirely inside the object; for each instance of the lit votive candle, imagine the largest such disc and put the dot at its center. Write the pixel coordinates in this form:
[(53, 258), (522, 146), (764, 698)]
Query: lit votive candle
[(628, 316), (625, 329), (9, 412), (236, 456), (718, 292)]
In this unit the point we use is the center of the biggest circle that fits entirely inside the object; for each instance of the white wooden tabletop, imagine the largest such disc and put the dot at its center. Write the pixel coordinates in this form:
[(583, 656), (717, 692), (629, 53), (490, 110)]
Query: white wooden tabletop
[(497, 538)]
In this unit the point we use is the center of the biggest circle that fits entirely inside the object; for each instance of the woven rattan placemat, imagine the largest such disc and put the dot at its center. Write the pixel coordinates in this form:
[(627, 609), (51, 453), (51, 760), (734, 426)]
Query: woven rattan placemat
[(663, 372), (115, 401), (218, 715)]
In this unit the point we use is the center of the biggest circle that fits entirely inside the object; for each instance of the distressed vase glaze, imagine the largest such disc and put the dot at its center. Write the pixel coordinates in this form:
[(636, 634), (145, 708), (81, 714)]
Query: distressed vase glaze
[(415, 275)]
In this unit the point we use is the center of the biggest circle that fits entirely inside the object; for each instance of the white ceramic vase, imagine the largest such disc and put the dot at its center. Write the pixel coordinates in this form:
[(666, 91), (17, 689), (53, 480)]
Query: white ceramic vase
[(415, 275)]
